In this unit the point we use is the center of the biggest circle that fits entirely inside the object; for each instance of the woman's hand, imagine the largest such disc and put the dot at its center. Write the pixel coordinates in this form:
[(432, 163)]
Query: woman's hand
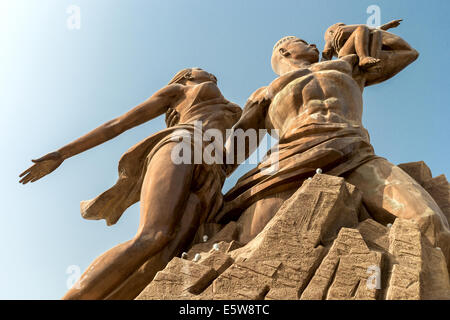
[(42, 167)]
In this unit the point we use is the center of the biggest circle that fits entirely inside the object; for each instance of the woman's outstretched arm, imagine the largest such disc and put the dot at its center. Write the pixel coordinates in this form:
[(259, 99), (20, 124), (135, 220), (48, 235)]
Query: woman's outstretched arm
[(154, 106)]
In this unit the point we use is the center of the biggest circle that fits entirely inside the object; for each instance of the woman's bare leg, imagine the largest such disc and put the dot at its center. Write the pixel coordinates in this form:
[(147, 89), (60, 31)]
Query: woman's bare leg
[(202, 204), (134, 284), (163, 196)]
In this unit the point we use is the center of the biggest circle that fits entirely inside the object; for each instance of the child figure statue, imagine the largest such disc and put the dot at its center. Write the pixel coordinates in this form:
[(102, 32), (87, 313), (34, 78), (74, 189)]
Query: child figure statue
[(342, 40)]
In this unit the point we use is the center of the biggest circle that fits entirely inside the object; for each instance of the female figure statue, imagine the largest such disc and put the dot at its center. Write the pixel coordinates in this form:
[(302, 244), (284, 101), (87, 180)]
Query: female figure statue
[(174, 198)]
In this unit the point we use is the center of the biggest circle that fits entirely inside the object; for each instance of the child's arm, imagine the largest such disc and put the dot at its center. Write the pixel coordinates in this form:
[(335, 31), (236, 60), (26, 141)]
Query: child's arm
[(347, 30), (328, 51), (391, 24)]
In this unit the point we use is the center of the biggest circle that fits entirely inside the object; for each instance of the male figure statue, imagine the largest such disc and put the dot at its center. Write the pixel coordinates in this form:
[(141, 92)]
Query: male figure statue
[(317, 108)]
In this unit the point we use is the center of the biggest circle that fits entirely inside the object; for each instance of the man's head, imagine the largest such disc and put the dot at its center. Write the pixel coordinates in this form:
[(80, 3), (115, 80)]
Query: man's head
[(291, 52)]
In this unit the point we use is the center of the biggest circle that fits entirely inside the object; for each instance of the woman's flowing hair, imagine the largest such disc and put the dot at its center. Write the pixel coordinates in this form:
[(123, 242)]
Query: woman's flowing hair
[(183, 74)]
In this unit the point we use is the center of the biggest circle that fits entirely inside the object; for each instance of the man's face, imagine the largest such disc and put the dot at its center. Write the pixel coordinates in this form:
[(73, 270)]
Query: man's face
[(300, 50)]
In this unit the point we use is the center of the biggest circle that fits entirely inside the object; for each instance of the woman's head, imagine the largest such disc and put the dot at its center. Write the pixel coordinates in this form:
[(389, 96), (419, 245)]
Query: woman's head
[(192, 74), (292, 51)]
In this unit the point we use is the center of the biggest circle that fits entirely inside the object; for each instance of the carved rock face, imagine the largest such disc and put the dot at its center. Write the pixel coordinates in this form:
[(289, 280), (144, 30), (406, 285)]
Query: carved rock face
[(315, 247)]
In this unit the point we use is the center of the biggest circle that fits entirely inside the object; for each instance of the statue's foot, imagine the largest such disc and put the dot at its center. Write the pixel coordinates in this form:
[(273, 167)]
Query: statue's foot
[(368, 62)]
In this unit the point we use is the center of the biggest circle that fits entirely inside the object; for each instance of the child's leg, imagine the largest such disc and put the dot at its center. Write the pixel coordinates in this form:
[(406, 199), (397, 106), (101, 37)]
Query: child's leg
[(362, 39), (376, 43), (358, 43), (349, 46)]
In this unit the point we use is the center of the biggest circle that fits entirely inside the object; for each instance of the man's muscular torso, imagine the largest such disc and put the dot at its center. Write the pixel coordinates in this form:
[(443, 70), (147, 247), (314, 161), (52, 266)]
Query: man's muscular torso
[(324, 93)]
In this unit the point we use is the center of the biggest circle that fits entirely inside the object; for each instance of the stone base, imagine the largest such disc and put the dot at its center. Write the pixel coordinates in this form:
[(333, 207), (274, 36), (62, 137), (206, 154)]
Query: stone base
[(315, 247)]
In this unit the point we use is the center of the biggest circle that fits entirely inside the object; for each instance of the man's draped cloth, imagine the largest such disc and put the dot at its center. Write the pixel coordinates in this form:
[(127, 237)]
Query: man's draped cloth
[(336, 148), (111, 204)]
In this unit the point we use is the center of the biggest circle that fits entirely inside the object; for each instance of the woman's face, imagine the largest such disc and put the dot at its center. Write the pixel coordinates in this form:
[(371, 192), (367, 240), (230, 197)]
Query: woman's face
[(200, 75)]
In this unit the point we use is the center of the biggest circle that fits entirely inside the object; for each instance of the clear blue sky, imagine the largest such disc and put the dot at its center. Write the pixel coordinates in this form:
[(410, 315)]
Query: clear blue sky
[(57, 84)]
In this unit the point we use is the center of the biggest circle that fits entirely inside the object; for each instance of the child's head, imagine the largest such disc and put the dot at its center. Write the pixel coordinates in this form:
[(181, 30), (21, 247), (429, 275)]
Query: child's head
[(330, 50), (331, 31)]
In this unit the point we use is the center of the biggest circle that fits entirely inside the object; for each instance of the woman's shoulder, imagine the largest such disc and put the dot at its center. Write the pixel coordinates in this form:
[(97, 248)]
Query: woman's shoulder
[(171, 90)]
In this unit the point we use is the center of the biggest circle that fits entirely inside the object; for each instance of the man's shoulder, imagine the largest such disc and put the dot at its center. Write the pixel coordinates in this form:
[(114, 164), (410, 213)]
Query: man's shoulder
[(345, 64), (258, 93)]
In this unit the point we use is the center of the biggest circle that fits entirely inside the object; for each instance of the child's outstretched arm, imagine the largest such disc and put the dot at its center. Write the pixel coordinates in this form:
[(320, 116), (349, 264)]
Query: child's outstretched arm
[(391, 24)]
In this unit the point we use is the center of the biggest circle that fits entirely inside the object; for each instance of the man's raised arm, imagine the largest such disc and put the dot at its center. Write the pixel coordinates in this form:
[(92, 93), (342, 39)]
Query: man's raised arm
[(253, 118), (395, 56)]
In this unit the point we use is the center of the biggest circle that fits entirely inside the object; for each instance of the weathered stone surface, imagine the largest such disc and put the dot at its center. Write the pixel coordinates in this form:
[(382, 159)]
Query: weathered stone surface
[(246, 278), (439, 189), (420, 271), (375, 234), (313, 248), (179, 280), (363, 214), (227, 234), (216, 260), (434, 281), (417, 170), (343, 274), (314, 214), (352, 277), (285, 254), (404, 284), (207, 229)]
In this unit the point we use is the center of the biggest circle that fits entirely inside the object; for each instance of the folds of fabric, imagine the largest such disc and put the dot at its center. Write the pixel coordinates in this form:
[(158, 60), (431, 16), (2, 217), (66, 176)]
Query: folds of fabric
[(334, 148)]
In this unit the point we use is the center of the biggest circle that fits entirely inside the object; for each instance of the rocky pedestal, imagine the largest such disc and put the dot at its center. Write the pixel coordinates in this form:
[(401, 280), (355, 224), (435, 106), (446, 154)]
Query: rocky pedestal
[(321, 244)]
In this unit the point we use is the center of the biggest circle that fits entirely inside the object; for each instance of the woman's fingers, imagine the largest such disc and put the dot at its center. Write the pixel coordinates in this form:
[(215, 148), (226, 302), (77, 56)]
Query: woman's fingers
[(25, 172), (32, 174), (28, 174), (22, 180), (26, 179)]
